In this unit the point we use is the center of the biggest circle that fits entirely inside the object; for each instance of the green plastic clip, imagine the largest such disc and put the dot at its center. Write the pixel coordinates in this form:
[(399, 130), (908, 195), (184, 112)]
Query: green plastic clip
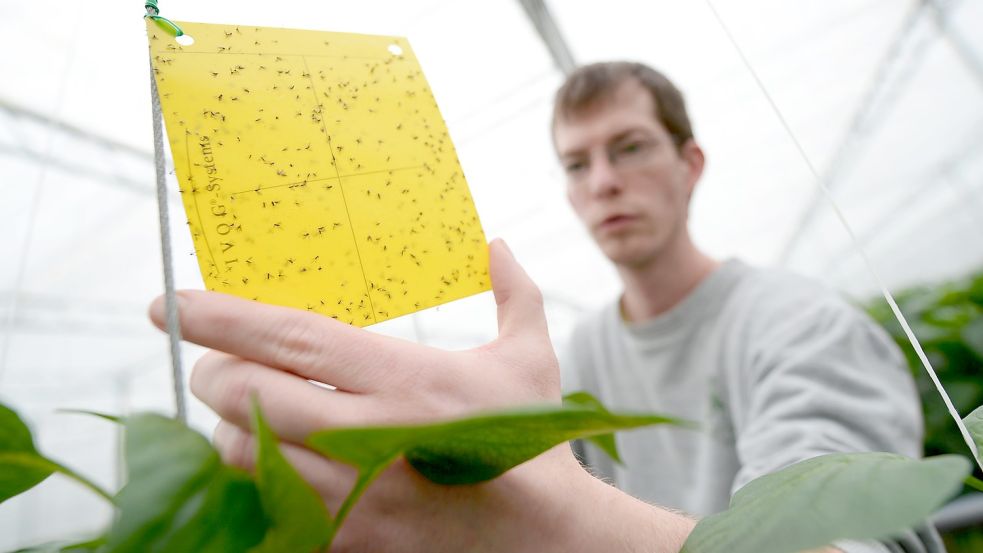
[(162, 22)]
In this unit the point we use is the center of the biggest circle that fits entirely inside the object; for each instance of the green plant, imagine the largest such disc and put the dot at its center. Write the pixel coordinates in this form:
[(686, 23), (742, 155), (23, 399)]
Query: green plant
[(879, 487), (180, 497), (948, 320)]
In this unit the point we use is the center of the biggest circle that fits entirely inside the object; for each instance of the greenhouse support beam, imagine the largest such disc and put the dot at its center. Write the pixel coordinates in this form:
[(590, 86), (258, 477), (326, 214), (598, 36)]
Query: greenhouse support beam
[(40, 313), (923, 182), (142, 187), (890, 71), (544, 23), (42, 119), (90, 170), (966, 53)]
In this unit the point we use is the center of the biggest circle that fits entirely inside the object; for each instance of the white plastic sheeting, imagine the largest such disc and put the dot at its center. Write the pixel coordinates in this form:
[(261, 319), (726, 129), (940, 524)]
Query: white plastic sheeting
[(885, 96)]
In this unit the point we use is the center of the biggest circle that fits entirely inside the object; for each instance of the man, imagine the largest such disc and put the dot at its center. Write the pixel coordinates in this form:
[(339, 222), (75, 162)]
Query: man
[(775, 368), (550, 503)]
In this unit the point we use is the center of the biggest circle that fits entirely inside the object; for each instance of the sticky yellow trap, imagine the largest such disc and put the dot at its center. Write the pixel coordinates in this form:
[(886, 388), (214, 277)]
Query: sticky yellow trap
[(316, 171)]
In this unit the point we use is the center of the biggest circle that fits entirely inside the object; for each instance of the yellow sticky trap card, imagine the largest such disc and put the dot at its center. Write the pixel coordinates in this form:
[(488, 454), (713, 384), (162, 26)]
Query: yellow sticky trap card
[(316, 171)]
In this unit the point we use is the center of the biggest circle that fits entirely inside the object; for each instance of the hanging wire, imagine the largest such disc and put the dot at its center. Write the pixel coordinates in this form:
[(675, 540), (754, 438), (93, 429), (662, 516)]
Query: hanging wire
[(849, 229), (170, 298)]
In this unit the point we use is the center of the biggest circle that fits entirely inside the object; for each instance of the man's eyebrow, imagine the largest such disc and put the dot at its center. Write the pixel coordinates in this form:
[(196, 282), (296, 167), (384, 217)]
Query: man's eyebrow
[(614, 139), (630, 132), (570, 153)]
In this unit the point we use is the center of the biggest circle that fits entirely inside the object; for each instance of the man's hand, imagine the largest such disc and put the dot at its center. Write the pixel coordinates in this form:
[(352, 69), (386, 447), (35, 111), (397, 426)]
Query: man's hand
[(547, 504)]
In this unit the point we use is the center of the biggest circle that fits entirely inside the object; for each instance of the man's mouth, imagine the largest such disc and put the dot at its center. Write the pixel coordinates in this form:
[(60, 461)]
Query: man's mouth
[(616, 222)]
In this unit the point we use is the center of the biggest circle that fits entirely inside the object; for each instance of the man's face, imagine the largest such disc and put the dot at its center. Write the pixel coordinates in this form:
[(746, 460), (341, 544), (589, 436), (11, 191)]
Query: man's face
[(626, 180)]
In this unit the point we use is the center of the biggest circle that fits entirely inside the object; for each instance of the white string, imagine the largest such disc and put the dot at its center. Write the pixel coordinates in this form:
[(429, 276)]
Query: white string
[(170, 299), (863, 254)]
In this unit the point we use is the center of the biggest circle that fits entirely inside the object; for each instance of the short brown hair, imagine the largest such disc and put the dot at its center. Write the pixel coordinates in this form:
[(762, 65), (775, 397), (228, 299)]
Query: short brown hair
[(590, 83)]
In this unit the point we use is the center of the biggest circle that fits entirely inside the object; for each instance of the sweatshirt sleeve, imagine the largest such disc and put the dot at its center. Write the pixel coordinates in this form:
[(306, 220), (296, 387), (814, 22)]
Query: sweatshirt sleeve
[(570, 381), (826, 379)]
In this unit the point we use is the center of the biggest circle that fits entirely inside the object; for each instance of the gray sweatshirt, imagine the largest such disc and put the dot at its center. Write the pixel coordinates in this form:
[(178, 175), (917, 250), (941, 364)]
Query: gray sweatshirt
[(774, 368)]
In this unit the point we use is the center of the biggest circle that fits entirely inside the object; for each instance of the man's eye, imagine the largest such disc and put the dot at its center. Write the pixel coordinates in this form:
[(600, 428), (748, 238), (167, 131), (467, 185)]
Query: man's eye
[(631, 148), (575, 166)]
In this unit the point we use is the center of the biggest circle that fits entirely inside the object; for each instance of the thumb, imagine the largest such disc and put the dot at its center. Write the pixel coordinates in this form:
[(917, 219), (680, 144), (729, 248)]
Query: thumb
[(520, 303)]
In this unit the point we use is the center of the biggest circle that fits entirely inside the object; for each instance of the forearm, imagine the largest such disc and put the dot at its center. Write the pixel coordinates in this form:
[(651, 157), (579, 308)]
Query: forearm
[(620, 522), (595, 516)]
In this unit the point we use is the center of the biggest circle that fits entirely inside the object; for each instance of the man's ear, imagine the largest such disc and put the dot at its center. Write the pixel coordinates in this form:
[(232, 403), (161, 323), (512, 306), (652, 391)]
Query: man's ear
[(692, 155)]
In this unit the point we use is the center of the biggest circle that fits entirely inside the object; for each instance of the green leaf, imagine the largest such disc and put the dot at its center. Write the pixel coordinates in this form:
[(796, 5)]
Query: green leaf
[(972, 335), (225, 516), (178, 496), (299, 520), (167, 464), (87, 546), (21, 465), (839, 496), (605, 442), (477, 448), (469, 450), (110, 418), (974, 423)]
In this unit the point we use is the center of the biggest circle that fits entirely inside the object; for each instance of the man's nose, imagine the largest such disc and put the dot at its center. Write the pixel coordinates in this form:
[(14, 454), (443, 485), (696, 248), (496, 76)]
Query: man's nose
[(604, 180)]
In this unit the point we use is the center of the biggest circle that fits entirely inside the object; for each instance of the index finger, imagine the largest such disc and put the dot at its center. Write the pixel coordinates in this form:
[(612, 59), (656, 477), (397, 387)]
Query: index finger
[(310, 345)]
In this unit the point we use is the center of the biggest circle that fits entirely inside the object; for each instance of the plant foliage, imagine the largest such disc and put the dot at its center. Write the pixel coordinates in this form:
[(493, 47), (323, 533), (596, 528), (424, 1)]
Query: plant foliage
[(838, 496), (948, 321), (180, 497)]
